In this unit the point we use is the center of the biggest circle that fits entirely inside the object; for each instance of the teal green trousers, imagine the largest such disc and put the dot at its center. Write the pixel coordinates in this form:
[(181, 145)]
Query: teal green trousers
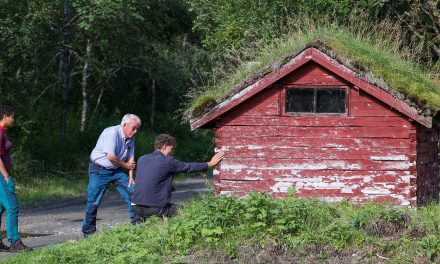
[(8, 203)]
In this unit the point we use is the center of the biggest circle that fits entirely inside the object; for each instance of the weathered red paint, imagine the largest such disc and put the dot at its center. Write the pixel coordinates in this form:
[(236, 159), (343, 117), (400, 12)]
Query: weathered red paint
[(374, 152)]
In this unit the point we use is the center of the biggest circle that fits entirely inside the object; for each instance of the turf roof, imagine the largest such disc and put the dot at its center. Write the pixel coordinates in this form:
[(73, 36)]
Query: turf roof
[(378, 63)]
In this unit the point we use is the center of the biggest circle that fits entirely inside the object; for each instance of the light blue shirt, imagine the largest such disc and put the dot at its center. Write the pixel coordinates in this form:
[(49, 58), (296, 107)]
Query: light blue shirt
[(112, 141)]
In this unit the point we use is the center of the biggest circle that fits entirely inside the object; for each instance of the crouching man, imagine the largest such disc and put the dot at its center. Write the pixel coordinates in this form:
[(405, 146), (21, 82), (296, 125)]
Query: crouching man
[(154, 178)]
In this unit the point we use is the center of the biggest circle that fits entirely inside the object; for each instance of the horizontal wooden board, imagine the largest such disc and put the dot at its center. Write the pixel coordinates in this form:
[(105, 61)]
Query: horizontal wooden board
[(258, 186), (319, 132), (353, 176), (269, 110), (264, 103), (357, 96), (373, 112), (312, 73), (317, 153), (316, 121), (370, 105), (312, 164), (248, 141), (354, 192)]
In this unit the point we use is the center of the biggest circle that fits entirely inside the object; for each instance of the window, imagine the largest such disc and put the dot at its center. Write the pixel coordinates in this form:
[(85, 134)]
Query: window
[(315, 100)]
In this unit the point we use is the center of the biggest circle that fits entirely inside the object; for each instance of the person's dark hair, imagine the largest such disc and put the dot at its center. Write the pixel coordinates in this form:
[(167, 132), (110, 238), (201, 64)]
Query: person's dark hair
[(5, 110), (164, 140)]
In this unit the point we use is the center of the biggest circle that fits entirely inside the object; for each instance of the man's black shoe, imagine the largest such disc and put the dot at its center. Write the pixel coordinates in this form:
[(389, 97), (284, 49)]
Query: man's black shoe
[(19, 246), (3, 247), (137, 220)]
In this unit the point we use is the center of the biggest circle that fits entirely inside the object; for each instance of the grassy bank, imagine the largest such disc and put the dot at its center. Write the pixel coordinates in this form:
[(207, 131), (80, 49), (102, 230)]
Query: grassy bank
[(42, 188), (260, 229)]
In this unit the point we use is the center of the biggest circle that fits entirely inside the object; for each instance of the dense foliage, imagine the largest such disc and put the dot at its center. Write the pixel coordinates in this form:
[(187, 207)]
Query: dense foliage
[(261, 229), (72, 67), (230, 25)]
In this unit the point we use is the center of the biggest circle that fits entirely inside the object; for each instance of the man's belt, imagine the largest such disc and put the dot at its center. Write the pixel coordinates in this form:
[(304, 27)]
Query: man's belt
[(96, 165)]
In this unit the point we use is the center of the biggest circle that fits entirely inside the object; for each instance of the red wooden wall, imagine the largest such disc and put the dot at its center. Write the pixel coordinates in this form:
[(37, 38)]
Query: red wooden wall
[(369, 154)]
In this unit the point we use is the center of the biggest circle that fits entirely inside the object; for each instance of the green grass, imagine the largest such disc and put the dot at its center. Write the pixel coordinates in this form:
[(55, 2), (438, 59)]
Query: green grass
[(222, 229), (32, 190), (379, 49), (46, 188)]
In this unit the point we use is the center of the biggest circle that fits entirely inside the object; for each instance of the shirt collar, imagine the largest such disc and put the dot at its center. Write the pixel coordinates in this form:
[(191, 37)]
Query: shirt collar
[(121, 133), (3, 128), (158, 152)]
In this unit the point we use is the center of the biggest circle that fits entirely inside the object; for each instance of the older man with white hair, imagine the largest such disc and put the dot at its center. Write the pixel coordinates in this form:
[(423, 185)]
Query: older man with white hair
[(109, 162)]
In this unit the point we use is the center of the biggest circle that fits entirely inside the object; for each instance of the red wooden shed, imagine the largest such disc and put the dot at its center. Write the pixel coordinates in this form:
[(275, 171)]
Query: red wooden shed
[(317, 125)]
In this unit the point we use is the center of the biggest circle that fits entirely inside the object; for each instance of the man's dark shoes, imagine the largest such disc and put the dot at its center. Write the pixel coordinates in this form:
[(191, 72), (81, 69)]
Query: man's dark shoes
[(137, 220), (19, 246), (3, 247)]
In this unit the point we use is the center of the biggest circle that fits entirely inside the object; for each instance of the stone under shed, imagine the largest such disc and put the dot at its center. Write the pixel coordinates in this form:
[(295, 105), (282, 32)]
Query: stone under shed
[(327, 127)]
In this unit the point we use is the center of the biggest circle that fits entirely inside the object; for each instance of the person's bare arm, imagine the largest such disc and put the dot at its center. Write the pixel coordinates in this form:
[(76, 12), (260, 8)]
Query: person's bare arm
[(130, 174), (216, 159), (129, 165)]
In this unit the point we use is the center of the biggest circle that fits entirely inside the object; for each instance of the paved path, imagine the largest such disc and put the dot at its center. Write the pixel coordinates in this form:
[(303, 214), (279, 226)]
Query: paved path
[(61, 221)]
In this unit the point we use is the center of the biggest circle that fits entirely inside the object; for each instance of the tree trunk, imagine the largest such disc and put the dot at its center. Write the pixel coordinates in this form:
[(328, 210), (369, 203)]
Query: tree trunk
[(98, 101), (85, 76), (153, 104), (65, 67)]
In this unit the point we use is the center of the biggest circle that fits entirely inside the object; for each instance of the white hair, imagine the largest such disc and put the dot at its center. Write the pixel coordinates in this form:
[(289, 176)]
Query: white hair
[(128, 117)]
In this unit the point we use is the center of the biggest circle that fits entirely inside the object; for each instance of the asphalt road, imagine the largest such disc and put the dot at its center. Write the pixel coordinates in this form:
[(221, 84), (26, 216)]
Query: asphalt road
[(61, 221)]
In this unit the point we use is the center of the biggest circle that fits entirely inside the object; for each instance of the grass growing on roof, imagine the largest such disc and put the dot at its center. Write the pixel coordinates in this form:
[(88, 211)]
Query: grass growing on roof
[(378, 48), (261, 228)]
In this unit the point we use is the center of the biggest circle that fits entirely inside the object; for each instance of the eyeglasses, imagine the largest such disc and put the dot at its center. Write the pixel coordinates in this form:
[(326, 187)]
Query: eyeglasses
[(133, 127)]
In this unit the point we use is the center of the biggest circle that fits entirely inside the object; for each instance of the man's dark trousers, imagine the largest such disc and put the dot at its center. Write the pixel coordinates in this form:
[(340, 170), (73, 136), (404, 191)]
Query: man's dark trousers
[(99, 179)]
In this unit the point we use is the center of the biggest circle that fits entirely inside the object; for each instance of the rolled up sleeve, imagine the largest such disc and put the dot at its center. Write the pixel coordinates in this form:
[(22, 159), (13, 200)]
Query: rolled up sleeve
[(109, 143)]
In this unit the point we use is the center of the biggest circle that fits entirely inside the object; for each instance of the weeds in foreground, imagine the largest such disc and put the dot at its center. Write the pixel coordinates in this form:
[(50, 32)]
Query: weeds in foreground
[(258, 228)]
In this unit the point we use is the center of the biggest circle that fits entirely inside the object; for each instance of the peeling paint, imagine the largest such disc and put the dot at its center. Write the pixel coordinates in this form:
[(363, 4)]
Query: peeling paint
[(375, 190), (252, 178), (317, 179), (254, 147), (393, 157), (281, 186), (346, 190), (368, 179)]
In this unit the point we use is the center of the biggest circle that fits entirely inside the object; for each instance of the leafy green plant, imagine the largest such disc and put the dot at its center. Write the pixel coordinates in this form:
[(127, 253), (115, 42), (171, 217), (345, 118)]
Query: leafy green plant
[(229, 227), (431, 246)]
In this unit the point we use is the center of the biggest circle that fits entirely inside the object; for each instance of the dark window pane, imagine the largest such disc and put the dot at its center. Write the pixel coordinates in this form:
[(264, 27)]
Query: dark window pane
[(330, 101), (299, 100)]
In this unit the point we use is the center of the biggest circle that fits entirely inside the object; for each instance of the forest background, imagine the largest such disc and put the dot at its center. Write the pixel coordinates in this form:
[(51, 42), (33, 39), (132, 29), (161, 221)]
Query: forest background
[(73, 67)]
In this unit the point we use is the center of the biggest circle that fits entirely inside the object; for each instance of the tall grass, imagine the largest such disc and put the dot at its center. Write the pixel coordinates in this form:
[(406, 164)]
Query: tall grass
[(44, 187), (261, 229)]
